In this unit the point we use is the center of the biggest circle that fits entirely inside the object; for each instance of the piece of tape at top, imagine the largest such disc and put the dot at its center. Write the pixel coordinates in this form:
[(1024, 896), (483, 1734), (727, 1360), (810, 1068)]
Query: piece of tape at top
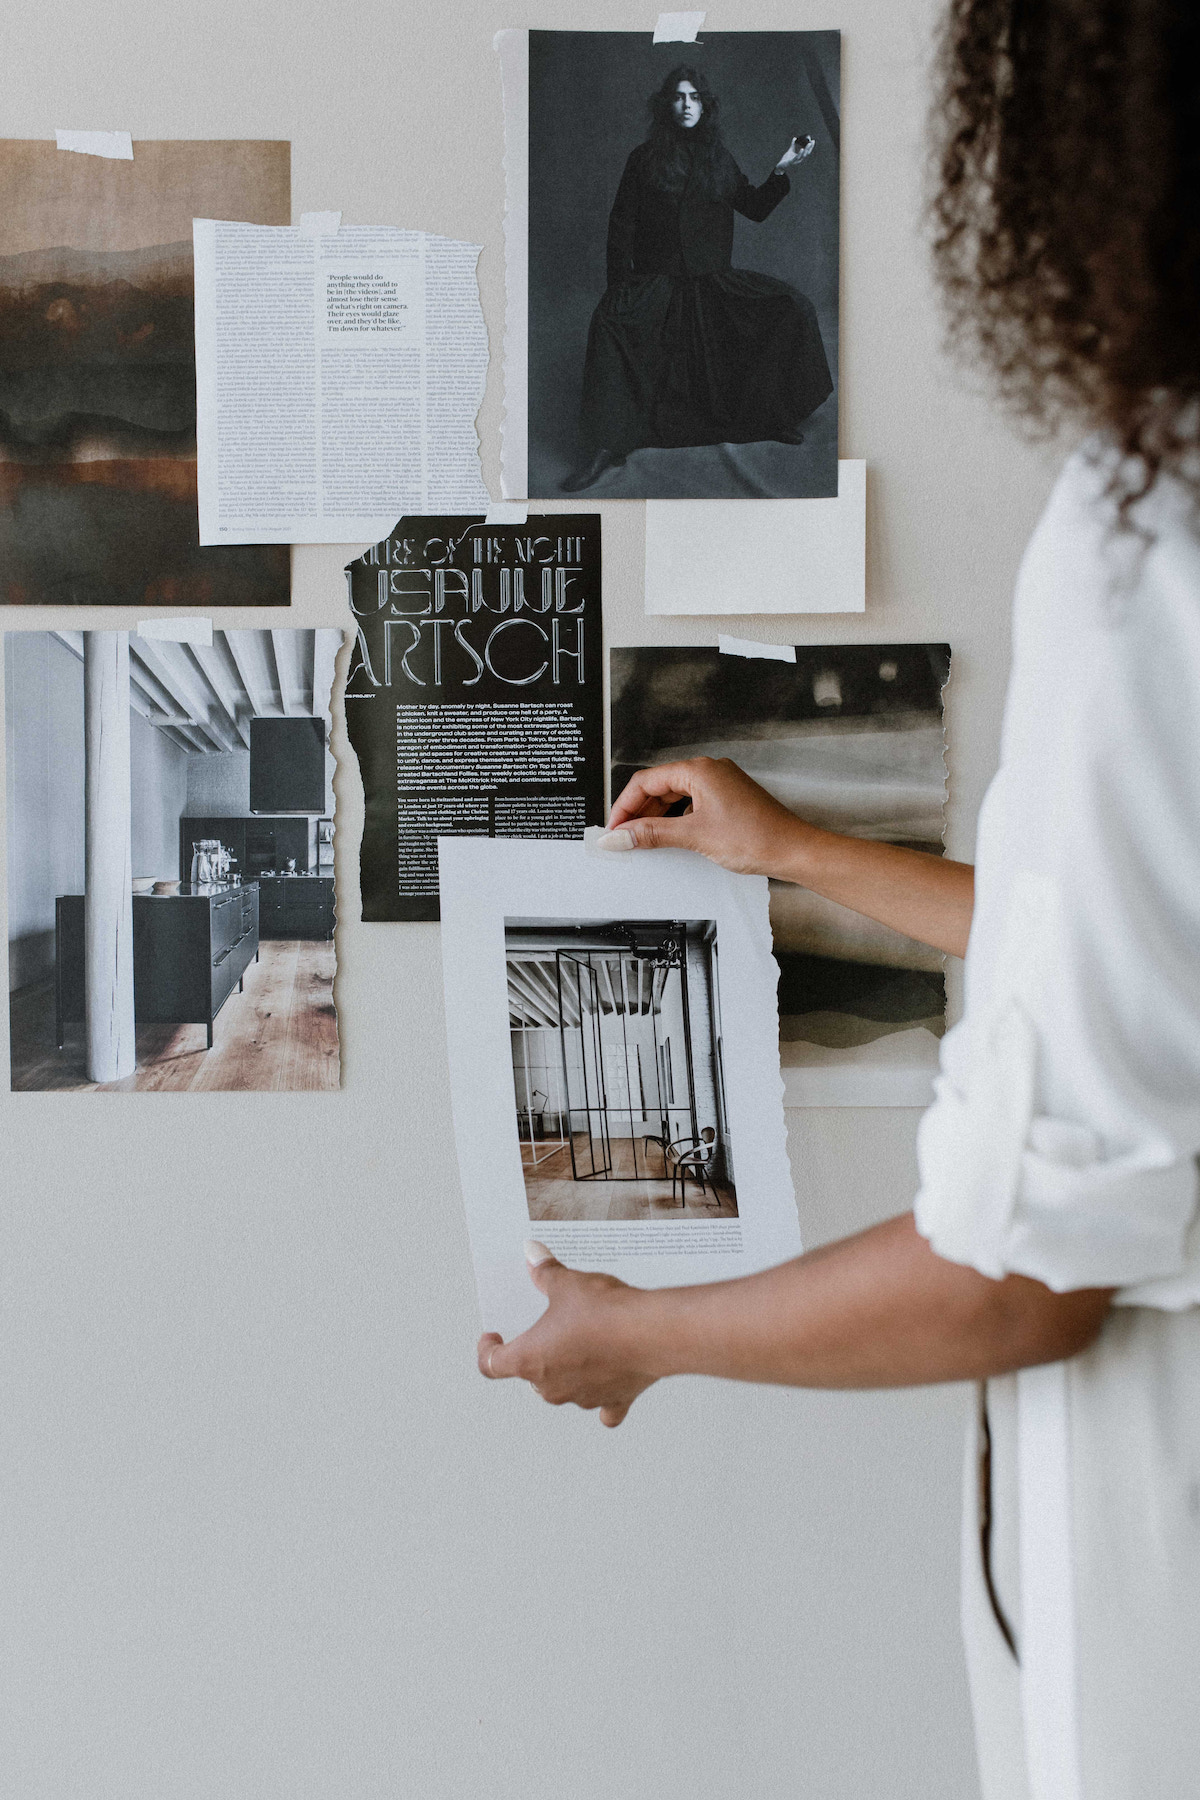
[(188, 630), (115, 144), (507, 512), (678, 27), (320, 224), (735, 646)]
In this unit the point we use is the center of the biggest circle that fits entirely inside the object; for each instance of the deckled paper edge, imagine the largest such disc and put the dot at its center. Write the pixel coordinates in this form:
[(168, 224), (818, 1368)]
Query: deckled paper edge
[(512, 47), (376, 529), (737, 646), (747, 903), (116, 145), (678, 27), (330, 645), (177, 631)]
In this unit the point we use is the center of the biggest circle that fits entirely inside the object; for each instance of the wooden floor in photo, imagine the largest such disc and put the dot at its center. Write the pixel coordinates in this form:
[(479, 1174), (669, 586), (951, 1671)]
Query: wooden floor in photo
[(552, 1193), (278, 1035)]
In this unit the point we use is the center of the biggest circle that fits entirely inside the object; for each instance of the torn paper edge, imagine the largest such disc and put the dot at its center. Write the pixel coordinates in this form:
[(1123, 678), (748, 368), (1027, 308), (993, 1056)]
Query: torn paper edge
[(678, 27), (320, 224), (736, 646), (512, 47), (177, 631), (365, 530), (331, 642), (485, 880), (117, 145), (855, 1084)]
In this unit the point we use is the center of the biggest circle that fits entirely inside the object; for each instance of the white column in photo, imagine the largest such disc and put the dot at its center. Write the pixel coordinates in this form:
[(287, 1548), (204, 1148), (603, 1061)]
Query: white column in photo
[(108, 857)]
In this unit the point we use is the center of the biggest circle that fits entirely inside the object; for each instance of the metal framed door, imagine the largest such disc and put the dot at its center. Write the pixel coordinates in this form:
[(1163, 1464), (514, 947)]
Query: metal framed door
[(579, 996)]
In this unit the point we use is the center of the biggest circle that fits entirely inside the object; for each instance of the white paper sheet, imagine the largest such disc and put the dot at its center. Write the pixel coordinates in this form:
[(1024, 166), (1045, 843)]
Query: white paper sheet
[(338, 377), (760, 556), (486, 881)]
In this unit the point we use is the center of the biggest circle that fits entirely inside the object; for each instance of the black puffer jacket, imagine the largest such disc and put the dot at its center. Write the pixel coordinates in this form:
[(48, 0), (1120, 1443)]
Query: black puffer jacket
[(655, 231)]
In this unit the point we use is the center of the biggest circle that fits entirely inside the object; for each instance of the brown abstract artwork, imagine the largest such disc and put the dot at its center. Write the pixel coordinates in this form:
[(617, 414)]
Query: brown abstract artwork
[(98, 374)]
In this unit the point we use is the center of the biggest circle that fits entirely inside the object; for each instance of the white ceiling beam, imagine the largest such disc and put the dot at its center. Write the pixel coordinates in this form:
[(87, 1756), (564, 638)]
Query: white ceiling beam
[(522, 990), (221, 673), (256, 666), (189, 691)]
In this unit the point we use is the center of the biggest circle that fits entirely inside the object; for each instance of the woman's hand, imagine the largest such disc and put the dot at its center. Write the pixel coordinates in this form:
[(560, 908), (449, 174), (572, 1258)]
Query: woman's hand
[(796, 152), (733, 821), (880, 1309), (584, 1350), (730, 819)]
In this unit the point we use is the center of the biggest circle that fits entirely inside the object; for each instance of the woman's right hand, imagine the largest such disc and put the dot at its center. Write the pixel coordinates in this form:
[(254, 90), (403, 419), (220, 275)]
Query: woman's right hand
[(730, 819)]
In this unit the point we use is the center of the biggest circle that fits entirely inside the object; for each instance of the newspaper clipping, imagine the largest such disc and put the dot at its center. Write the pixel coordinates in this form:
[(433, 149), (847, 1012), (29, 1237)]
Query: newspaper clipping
[(474, 695), (338, 379)]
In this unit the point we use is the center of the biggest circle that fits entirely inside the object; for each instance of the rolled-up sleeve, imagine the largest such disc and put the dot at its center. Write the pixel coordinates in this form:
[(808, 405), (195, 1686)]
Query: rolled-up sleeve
[(1063, 1137), (1012, 1191)]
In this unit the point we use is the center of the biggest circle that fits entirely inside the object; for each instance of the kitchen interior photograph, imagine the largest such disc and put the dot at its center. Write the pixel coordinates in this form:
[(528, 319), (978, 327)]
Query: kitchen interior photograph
[(229, 859)]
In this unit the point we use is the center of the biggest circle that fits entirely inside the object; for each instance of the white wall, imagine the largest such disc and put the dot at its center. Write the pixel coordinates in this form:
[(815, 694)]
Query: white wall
[(159, 779), (43, 736), (218, 786), (44, 784), (280, 1539)]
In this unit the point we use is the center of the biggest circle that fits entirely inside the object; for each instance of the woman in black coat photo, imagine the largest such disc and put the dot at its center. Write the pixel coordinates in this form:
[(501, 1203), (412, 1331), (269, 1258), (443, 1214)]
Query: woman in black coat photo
[(684, 349)]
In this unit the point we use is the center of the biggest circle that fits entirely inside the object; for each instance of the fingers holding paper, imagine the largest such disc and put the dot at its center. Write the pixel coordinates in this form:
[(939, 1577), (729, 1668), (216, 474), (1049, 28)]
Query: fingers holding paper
[(584, 1349), (730, 818)]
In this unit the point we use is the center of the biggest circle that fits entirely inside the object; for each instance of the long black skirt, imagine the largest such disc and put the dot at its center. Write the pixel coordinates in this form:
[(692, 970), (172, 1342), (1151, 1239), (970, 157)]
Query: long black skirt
[(730, 358)]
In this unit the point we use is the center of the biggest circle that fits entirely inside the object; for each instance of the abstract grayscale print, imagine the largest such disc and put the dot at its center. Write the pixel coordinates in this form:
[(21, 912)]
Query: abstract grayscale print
[(850, 738)]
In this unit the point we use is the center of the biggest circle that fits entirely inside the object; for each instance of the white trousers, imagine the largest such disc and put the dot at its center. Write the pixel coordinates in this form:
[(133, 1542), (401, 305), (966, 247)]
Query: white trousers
[(1083, 1542)]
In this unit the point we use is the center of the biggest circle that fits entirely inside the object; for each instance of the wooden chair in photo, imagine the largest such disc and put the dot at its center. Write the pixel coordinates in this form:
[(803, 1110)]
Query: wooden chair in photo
[(693, 1157)]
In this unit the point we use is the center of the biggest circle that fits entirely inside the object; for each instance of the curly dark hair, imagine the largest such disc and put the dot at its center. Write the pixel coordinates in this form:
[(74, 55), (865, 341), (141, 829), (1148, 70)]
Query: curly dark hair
[(665, 146), (1067, 215)]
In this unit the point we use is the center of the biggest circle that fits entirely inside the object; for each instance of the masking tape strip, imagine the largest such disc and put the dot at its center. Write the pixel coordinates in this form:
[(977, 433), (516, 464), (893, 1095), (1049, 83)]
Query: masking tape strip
[(115, 144)]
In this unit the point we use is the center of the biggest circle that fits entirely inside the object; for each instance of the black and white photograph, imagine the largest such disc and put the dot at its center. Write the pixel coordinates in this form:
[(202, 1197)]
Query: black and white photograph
[(618, 1080), (171, 902), (683, 265), (849, 737)]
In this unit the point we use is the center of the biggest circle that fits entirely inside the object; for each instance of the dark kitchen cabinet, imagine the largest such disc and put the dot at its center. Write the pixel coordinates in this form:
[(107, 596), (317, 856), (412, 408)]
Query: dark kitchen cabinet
[(296, 906), (190, 951), (287, 765), (255, 844)]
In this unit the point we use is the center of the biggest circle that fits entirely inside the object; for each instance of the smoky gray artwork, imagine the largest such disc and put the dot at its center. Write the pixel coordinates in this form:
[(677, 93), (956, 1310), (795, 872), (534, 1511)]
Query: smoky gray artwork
[(849, 737)]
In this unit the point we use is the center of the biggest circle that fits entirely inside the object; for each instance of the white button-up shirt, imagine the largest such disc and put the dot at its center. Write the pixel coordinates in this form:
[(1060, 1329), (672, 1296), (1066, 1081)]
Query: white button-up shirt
[(1063, 1137)]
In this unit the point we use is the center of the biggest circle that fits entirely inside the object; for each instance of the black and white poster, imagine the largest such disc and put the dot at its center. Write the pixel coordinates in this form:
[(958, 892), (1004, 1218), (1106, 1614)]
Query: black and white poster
[(677, 288), (474, 697), (850, 737)]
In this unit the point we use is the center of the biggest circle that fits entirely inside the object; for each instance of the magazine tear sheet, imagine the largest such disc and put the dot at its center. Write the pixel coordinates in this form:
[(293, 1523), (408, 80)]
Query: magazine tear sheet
[(338, 376), (614, 1066)]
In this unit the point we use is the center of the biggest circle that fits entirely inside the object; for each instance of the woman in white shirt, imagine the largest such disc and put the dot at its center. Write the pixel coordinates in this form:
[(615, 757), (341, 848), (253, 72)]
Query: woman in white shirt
[(1053, 1250)]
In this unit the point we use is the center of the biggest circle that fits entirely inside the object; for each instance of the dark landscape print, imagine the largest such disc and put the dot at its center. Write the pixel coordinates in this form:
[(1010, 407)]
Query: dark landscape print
[(850, 738), (98, 422)]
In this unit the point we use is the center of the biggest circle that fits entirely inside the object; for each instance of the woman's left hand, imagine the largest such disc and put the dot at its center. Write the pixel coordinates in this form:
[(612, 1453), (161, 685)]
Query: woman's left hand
[(796, 152), (584, 1350)]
